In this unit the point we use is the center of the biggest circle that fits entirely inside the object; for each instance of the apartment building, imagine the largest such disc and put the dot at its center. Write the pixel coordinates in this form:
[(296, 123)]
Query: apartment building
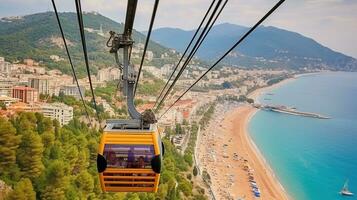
[(25, 94), (59, 111)]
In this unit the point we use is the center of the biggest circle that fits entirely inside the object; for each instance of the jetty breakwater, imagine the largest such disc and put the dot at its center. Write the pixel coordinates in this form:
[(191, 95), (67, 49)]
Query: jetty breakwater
[(290, 111)]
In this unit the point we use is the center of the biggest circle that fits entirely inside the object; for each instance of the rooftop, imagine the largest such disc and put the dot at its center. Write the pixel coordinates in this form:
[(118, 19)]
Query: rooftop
[(24, 88)]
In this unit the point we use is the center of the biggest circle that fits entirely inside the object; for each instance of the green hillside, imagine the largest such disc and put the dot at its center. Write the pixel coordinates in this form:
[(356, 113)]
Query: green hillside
[(41, 160), (37, 36)]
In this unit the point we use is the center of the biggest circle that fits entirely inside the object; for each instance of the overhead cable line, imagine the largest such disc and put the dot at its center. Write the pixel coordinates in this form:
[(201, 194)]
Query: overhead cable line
[(188, 60), (193, 50), (183, 55), (70, 59), (146, 43), (83, 39), (227, 52)]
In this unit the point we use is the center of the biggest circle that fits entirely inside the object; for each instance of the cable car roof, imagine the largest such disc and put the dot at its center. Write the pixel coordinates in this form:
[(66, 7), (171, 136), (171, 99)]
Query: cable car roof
[(132, 126)]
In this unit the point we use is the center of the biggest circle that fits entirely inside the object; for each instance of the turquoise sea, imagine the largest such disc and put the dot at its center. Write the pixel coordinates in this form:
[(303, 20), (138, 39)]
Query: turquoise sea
[(311, 157)]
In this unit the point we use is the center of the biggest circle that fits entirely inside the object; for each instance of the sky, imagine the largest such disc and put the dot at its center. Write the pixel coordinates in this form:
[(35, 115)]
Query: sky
[(333, 23)]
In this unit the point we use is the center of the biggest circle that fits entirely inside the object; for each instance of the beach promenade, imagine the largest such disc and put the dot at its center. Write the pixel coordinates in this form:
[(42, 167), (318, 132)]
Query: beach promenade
[(227, 153)]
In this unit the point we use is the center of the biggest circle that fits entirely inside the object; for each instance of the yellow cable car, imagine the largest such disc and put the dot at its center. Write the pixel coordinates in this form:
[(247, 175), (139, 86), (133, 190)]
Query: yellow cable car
[(130, 151), (129, 160)]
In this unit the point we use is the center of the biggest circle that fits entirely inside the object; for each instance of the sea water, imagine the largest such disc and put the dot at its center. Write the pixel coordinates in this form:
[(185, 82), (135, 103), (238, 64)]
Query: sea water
[(312, 158)]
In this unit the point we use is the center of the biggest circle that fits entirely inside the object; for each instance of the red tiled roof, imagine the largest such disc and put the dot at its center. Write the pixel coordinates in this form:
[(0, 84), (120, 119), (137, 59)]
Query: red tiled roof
[(23, 88)]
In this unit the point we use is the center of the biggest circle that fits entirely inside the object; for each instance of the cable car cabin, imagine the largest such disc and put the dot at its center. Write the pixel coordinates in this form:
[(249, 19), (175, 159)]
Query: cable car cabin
[(129, 160)]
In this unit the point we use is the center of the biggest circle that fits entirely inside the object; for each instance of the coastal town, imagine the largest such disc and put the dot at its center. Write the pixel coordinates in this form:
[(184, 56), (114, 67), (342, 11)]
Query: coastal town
[(27, 86)]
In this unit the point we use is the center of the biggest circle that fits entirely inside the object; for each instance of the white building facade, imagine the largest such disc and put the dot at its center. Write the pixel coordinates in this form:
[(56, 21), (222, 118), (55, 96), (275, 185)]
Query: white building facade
[(72, 90), (59, 111)]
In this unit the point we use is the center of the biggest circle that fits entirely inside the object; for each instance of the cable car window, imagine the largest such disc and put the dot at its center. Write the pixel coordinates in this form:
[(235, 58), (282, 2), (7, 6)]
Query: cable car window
[(128, 156)]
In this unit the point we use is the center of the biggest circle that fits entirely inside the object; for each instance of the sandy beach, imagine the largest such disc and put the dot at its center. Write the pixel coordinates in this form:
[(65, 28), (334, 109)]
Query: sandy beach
[(234, 163), (228, 154)]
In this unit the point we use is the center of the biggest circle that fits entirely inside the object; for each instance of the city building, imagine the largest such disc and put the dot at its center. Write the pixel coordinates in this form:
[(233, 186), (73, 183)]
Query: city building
[(59, 111), (35, 70), (22, 107), (5, 67), (153, 70), (166, 70), (29, 69), (42, 85), (6, 87), (29, 62), (149, 55), (25, 94), (7, 101), (72, 90), (108, 74), (56, 58), (54, 72), (99, 32)]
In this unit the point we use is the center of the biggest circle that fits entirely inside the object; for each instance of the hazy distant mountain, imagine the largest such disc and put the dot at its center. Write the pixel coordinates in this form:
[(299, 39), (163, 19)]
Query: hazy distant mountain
[(267, 46), (37, 36)]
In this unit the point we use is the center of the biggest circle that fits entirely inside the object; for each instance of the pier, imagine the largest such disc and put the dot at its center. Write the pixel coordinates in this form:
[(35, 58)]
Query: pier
[(290, 111)]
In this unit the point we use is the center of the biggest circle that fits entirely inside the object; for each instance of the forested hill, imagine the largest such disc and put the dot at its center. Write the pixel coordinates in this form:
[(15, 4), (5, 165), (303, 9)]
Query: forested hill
[(266, 47), (37, 36), (41, 160)]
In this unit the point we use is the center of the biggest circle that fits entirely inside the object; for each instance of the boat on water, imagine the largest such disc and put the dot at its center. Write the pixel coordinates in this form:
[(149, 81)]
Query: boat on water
[(345, 190)]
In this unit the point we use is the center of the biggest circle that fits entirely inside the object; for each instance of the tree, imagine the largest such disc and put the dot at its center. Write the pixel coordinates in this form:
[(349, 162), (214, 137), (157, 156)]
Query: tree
[(162, 192), (199, 197), (56, 172), (82, 162), (55, 181), (226, 85), (57, 126), (9, 142), (92, 147), (85, 182), (188, 158), (2, 106), (251, 101), (25, 122), (53, 193), (242, 98), (71, 155), (189, 176), (29, 155), (185, 186), (132, 196), (23, 190), (178, 129), (55, 150), (195, 171), (43, 123), (48, 139)]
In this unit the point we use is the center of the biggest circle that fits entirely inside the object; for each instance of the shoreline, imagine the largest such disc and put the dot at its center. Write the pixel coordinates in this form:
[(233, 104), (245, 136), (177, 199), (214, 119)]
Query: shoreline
[(261, 157), (258, 92), (215, 153), (228, 154)]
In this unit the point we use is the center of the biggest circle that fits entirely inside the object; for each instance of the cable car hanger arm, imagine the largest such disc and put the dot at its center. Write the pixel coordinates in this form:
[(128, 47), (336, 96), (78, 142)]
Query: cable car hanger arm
[(129, 76)]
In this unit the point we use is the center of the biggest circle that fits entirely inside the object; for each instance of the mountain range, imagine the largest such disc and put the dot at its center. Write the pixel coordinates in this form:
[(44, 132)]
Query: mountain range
[(267, 46), (37, 36)]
